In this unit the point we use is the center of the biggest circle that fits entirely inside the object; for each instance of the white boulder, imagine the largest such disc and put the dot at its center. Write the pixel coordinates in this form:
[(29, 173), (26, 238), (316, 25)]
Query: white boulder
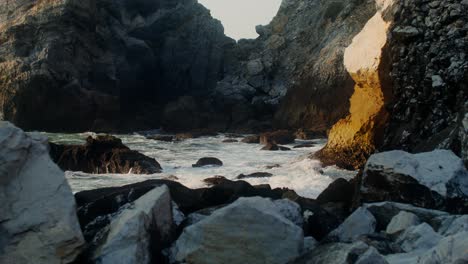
[(361, 222), (371, 256), (453, 224), (440, 170), (402, 221), (452, 249), (250, 229), (420, 237), (129, 234), (38, 222), (290, 210)]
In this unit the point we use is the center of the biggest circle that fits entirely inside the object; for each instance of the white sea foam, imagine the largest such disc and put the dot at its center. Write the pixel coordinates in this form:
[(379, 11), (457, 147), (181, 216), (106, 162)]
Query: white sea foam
[(296, 171)]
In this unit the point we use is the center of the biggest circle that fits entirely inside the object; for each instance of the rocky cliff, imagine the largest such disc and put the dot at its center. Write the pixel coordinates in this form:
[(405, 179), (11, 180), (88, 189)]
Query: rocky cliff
[(410, 68), (377, 75), (103, 65), (295, 67)]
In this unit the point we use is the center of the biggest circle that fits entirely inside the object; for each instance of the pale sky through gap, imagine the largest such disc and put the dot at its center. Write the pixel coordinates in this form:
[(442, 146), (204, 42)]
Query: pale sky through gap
[(239, 17)]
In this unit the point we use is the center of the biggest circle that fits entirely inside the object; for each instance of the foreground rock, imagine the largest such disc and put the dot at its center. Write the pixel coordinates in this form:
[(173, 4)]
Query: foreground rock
[(252, 235), (142, 225), (38, 220), (208, 161), (103, 154), (435, 179)]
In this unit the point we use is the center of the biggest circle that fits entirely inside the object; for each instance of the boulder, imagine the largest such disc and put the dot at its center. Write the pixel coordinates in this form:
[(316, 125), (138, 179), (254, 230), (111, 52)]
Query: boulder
[(251, 139), (208, 161), (290, 210), (402, 221), (255, 175), (98, 204), (339, 191), (103, 154), (371, 256), (440, 170), (360, 222), (335, 253), (140, 226), (277, 137), (215, 180), (38, 220), (436, 179), (451, 249), (253, 223), (419, 237), (385, 211)]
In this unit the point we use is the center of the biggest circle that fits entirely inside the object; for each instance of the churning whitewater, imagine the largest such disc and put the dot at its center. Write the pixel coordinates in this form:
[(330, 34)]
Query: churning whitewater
[(290, 169)]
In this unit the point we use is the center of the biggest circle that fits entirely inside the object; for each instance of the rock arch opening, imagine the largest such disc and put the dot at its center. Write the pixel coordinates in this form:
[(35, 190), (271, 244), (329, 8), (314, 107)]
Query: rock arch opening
[(240, 17)]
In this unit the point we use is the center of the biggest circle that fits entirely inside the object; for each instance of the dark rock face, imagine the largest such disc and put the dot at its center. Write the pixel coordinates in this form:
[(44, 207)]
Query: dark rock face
[(103, 154), (208, 161), (430, 78), (104, 65)]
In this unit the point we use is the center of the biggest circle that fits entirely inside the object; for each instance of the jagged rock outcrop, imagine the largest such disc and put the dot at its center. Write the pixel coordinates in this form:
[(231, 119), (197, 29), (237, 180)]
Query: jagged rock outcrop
[(295, 70), (103, 65), (139, 231), (38, 221), (422, 95), (103, 154), (353, 139)]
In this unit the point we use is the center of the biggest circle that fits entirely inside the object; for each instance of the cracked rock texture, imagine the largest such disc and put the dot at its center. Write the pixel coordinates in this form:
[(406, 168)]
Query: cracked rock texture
[(82, 65), (430, 77), (38, 222)]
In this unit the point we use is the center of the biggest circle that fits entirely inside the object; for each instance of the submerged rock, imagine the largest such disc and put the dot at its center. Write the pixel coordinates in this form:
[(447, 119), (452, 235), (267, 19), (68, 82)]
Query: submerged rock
[(38, 220), (103, 154), (255, 175), (208, 161), (246, 230)]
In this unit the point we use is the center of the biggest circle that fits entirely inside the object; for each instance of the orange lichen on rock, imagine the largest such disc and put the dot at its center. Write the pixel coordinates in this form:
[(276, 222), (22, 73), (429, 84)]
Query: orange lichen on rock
[(354, 138)]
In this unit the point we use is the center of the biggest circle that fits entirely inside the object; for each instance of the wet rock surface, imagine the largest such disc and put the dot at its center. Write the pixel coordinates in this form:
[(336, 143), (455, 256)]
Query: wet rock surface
[(38, 222), (208, 161), (102, 154)]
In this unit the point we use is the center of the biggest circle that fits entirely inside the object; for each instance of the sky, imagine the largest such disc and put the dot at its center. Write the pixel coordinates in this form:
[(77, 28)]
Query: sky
[(239, 17)]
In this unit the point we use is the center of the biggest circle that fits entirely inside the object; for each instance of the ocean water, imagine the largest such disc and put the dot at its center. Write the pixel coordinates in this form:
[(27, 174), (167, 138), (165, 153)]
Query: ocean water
[(293, 169)]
